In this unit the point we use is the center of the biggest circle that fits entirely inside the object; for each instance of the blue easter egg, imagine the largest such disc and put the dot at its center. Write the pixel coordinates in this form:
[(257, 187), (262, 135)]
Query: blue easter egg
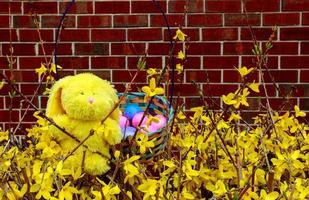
[(131, 110)]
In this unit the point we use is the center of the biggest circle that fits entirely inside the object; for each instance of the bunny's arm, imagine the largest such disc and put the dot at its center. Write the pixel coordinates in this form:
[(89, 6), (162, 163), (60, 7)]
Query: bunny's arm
[(112, 131)]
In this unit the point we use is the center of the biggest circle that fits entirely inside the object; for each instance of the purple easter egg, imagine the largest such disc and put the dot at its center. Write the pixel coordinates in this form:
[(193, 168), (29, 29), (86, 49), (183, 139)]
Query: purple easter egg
[(124, 121), (128, 131), (131, 110), (137, 118)]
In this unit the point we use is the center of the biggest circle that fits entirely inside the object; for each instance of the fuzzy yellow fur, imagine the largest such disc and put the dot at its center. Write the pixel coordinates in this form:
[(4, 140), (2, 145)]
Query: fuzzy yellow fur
[(78, 104)]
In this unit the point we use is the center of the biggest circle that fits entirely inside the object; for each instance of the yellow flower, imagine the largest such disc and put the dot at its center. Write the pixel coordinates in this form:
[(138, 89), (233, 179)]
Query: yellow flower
[(152, 89), (298, 112), (16, 193), (255, 87), (181, 55), (218, 189), (143, 143), (180, 35), (229, 99), (2, 84), (243, 71), (54, 67), (270, 196), (131, 169), (148, 187), (67, 192), (152, 72), (109, 191), (179, 68), (41, 70)]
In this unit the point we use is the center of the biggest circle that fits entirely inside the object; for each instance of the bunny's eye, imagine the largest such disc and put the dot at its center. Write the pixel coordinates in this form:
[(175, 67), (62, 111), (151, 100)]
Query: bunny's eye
[(82, 93)]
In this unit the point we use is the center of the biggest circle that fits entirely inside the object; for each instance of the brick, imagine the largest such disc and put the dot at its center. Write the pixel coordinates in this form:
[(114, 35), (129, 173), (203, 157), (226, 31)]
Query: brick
[(230, 6), (147, 6), (30, 62), (213, 103), (304, 76), (219, 34), (193, 62), (219, 89), (305, 18), (232, 76), (280, 19), (52, 21), (112, 7), (40, 7), (4, 115), (204, 49), (192, 34), (173, 20), (262, 5), (294, 33), (4, 21), (97, 21), (295, 62), (304, 104), (241, 19), (104, 74), (73, 62), (108, 35), (220, 62), (295, 5), (15, 7), (77, 7), (18, 103), (237, 48), (283, 48), (202, 76), (162, 48), (205, 20), (145, 34), (151, 62), (74, 35), (128, 48), (23, 22), (62, 49), (259, 33), (280, 76), (30, 35), (130, 20), (251, 61), (279, 103), (23, 75), (5, 35), (177, 6), (108, 62), (91, 48), (186, 89), (304, 48), (19, 49), (294, 90), (127, 75)]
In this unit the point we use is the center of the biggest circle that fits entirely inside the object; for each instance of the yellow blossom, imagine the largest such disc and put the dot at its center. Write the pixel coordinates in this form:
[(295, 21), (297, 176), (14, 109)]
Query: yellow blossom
[(243, 71), (152, 89), (41, 70), (143, 143), (179, 68), (180, 35), (67, 192), (298, 112), (255, 87), (181, 55), (148, 187), (54, 67)]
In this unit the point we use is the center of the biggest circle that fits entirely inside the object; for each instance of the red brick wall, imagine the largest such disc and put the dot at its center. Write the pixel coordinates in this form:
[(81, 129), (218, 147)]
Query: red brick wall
[(106, 37)]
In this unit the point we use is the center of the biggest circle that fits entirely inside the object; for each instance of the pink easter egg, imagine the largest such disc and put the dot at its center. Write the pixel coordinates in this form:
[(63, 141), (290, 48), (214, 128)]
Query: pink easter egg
[(153, 128), (137, 118), (124, 121), (162, 122)]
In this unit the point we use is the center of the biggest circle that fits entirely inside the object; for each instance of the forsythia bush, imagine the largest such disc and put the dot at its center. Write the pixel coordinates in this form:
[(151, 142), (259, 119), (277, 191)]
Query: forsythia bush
[(208, 155)]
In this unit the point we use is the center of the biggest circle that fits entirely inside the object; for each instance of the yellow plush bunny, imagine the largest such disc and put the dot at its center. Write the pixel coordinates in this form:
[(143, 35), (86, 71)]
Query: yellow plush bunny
[(78, 104)]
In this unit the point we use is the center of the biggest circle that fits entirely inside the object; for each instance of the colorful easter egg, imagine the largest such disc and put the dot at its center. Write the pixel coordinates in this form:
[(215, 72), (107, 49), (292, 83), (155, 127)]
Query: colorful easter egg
[(137, 119), (128, 131), (124, 121), (131, 110)]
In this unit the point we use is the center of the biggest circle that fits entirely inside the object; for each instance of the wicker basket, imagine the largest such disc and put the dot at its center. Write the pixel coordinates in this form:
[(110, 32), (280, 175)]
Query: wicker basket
[(158, 105)]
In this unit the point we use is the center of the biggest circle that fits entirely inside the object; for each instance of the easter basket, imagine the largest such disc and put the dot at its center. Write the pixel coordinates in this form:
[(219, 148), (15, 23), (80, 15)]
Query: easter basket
[(157, 106)]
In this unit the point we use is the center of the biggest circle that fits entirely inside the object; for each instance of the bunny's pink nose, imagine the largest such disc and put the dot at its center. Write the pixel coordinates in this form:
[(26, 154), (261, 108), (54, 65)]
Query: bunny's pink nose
[(91, 100)]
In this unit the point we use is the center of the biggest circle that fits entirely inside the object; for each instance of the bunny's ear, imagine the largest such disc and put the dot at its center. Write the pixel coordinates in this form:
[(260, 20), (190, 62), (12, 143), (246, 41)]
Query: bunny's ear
[(54, 105)]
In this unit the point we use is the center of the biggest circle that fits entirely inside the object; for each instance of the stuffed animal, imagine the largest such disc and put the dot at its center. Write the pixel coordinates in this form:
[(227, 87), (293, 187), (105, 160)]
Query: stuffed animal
[(78, 104)]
